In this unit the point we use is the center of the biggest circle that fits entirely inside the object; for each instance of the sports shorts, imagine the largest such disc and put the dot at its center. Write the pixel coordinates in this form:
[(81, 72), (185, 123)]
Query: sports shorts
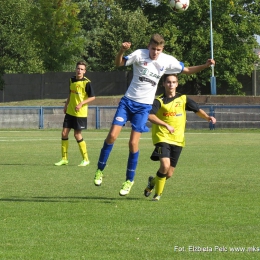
[(134, 112), (76, 123), (165, 150)]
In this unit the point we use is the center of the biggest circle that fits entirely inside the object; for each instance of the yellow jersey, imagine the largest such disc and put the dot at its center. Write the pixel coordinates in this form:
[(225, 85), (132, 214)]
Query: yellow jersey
[(80, 90), (174, 114)]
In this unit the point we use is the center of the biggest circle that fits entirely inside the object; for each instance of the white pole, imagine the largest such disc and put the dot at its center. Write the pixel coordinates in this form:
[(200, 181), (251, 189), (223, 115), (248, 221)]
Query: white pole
[(213, 78)]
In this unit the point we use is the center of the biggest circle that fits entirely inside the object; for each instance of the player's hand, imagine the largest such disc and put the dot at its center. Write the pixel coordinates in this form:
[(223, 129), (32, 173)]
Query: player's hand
[(170, 129), (78, 107), (212, 120), (210, 62), (125, 46)]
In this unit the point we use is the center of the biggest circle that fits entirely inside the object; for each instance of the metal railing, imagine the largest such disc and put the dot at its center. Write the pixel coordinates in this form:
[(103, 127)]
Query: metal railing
[(100, 117)]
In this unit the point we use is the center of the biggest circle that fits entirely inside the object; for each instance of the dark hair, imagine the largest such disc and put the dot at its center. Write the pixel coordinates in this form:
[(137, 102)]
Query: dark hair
[(81, 62), (165, 76), (157, 39)]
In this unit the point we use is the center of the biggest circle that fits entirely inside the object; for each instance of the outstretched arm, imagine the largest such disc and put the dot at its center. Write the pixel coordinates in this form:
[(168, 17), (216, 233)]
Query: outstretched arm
[(201, 113), (198, 68), (119, 61), (155, 120)]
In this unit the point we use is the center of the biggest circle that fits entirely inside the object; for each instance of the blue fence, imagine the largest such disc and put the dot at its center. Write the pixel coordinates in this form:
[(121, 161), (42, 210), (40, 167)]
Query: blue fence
[(100, 117)]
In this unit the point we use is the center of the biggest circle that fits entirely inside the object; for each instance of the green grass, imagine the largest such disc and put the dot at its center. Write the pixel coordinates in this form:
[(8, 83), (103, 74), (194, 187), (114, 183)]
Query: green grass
[(50, 212)]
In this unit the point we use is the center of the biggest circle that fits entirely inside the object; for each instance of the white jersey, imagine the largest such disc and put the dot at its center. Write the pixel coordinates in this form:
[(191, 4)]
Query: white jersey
[(147, 73)]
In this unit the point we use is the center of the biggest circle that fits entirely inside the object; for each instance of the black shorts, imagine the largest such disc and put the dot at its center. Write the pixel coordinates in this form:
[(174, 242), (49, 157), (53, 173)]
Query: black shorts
[(76, 123), (165, 150)]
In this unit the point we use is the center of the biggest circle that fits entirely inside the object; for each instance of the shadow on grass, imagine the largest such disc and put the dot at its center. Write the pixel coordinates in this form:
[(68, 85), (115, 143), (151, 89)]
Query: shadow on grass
[(66, 199)]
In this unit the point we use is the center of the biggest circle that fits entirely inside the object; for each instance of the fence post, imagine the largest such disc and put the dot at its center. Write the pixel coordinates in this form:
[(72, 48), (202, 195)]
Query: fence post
[(211, 113), (97, 118), (41, 118)]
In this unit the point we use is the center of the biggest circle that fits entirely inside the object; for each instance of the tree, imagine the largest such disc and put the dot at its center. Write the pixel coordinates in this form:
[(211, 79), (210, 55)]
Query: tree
[(17, 52), (56, 31), (106, 26), (187, 35)]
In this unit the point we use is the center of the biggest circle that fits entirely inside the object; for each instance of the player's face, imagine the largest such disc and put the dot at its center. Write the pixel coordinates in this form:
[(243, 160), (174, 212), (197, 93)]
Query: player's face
[(154, 51), (170, 84), (80, 71)]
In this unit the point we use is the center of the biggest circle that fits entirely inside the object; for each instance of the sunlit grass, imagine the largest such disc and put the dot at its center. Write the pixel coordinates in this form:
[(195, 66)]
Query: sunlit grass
[(210, 204)]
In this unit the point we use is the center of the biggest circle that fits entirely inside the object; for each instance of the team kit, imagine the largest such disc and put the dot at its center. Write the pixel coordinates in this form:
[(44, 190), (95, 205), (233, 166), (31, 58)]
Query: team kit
[(167, 113)]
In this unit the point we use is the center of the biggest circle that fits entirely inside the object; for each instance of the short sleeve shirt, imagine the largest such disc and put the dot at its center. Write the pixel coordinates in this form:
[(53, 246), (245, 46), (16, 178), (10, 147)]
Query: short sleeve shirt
[(147, 73)]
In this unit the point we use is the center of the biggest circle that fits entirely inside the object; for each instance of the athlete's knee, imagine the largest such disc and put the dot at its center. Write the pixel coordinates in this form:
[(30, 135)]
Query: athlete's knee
[(64, 134), (170, 172), (77, 136), (165, 167), (133, 145), (111, 138)]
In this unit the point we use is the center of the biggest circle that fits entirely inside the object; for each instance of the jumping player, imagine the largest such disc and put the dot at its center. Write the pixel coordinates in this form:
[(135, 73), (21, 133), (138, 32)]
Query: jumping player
[(148, 67)]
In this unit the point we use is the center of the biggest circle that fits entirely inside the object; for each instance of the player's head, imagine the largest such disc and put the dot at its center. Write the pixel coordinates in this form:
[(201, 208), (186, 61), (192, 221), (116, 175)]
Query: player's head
[(157, 39), (170, 82), (81, 68), (155, 46)]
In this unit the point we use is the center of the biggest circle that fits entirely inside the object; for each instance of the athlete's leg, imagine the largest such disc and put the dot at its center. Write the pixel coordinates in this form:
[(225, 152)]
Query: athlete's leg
[(65, 143), (161, 175), (105, 152), (170, 172), (82, 144), (133, 155), (167, 167), (108, 145)]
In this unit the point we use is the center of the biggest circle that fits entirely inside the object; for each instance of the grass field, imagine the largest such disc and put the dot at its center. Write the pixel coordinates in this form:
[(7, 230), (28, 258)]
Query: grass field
[(210, 205)]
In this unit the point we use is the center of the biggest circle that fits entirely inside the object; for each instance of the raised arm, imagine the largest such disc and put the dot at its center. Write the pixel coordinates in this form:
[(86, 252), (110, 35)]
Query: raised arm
[(119, 61), (198, 68)]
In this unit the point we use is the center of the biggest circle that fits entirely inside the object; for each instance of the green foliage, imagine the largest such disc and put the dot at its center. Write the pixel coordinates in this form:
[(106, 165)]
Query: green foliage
[(56, 31), (106, 26), (17, 51), (40, 35), (188, 37)]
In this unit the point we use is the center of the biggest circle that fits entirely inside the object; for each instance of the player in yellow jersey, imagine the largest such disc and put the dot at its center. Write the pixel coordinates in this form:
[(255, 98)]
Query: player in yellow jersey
[(168, 118), (76, 112)]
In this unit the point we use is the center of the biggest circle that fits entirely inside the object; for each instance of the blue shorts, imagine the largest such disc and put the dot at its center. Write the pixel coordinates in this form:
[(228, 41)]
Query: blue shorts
[(134, 112)]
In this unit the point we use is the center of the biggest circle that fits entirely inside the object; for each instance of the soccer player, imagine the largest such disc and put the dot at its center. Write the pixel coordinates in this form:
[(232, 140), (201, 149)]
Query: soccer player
[(168, 118), (76, 112), (148, 67)]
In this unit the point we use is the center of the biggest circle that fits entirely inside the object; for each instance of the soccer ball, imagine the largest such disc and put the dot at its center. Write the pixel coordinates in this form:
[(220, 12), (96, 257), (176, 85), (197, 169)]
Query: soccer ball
[(179, 5)]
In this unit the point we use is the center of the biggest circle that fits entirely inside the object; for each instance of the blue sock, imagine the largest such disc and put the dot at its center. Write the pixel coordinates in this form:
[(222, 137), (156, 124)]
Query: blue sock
[(104, 154), (131, 165)]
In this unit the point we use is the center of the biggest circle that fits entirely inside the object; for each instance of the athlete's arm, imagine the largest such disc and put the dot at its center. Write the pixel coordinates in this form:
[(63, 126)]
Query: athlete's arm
[(198, 68), (155, 120), (66, 105), (201, 113), (119, 61), (91, 96)]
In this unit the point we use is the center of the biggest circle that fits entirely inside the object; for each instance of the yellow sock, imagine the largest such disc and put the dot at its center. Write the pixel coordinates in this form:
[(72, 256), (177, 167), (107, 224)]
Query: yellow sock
[(159, 185), (64, 149), (83, 149)]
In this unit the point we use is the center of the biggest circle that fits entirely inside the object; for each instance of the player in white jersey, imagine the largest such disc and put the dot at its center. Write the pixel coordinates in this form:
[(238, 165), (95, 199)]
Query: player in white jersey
[(147, 73), (148, 67)]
